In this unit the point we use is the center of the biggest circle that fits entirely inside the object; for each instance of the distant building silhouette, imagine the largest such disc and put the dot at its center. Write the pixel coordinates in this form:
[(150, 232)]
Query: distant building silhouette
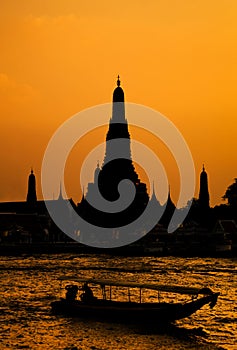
[(200, 211), (168, 212), (203, 192), (29, 220), (31, 193)]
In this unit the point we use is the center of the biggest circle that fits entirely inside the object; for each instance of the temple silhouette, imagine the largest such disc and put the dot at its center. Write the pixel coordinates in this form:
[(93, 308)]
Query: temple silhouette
[(205, 229), (116, 167)]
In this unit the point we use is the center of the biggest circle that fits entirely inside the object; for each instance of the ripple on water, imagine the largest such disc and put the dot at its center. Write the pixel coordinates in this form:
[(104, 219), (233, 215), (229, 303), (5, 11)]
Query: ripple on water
[(29, 284)]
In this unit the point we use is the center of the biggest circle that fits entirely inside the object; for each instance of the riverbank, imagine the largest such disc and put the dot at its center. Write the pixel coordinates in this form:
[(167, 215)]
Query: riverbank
[(17, 249)]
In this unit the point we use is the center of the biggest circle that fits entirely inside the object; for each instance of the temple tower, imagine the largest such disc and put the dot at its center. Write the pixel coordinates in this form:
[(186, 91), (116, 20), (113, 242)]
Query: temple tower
[(117, 166), (31, 194), (118, 163), (203, 192)]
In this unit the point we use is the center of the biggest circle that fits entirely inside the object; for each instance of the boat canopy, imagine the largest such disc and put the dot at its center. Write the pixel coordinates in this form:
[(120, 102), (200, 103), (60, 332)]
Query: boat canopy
[(153, 286)]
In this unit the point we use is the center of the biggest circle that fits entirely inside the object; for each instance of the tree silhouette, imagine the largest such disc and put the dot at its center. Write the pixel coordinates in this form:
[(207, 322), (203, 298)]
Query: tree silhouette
[(231, 194)]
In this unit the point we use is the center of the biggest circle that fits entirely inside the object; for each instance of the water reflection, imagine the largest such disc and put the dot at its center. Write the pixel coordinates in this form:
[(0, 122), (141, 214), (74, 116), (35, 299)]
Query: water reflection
[(29, 284)]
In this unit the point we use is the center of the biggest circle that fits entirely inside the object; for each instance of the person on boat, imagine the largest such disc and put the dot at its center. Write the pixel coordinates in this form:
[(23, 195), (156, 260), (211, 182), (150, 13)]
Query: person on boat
[(71, 293), (87, 295)]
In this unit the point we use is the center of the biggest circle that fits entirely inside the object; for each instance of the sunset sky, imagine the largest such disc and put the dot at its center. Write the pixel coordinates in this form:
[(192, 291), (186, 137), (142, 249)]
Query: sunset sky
[(59, 57)]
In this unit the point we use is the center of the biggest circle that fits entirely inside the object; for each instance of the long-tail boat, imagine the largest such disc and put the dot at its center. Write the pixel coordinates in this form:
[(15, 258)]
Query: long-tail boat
[(136, 308)]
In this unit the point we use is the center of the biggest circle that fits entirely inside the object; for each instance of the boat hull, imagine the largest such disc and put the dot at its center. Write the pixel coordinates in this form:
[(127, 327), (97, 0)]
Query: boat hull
[(132, 312)]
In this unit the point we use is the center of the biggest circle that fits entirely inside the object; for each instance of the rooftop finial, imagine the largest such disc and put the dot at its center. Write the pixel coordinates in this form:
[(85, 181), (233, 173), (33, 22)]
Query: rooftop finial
[(60, 197), (118, 81), (203, 168)]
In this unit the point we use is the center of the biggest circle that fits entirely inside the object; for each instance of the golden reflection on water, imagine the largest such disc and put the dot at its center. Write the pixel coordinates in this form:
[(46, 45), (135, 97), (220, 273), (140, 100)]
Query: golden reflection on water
[(29, 284)]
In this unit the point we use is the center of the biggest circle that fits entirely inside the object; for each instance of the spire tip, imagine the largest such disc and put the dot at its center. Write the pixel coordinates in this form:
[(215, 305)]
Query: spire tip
[(118, 81)]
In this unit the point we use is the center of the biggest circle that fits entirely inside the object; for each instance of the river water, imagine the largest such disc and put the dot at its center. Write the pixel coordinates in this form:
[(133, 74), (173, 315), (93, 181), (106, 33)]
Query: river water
[(29, 284)]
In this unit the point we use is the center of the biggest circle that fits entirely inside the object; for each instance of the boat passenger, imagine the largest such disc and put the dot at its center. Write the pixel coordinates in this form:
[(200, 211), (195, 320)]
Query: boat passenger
[(88, 294), (71, 293)]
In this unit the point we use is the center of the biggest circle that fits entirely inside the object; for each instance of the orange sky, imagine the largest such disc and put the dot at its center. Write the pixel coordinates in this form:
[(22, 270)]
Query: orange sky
[(61, 56)]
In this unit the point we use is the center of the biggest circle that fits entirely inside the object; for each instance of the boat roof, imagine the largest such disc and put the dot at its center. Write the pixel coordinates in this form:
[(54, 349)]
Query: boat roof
[(152, 286)]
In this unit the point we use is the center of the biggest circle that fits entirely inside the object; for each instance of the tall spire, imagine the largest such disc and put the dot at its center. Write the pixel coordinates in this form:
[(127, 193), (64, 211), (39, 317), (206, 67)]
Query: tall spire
[(118, 127), (60, 197), (203, 192), (31, 193), (116, 167)]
